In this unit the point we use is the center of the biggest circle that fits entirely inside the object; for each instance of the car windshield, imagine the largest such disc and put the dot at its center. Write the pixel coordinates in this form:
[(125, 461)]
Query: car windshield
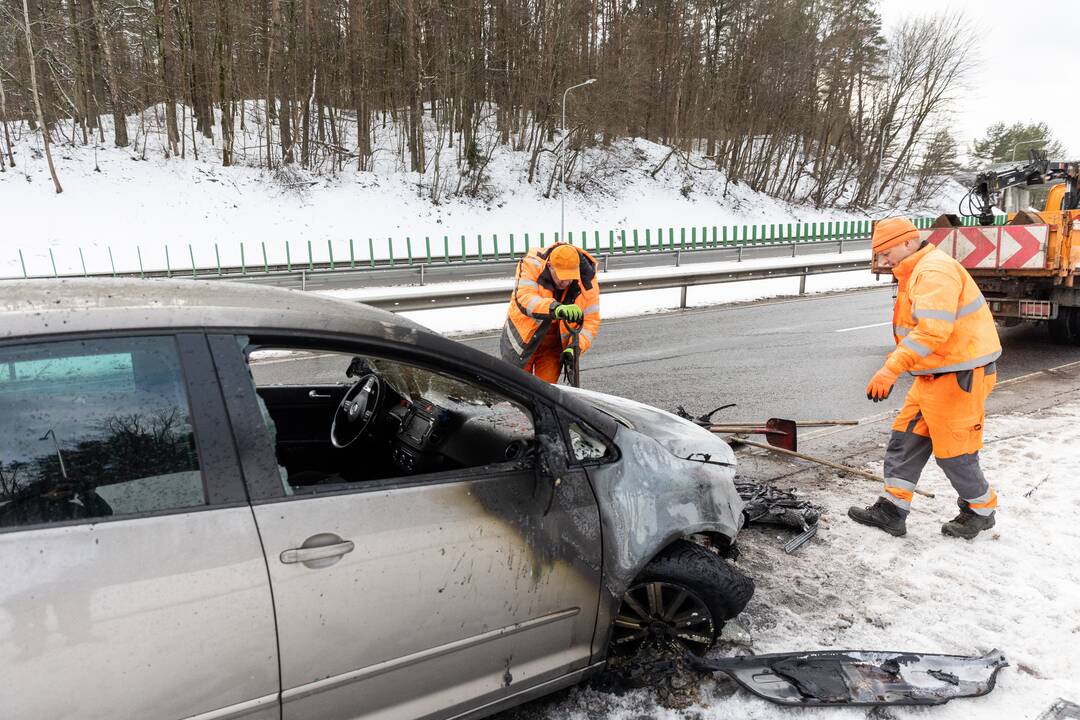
[(414, 383), (409, 381)]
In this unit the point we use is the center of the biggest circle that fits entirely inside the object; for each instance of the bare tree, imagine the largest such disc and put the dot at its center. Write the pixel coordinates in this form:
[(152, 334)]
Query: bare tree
[(168, 71), (32, 60), (112, 76), (807, 100), (4, 121)]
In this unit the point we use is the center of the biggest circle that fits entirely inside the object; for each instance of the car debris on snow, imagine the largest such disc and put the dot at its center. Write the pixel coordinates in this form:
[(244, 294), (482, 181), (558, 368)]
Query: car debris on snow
[(1061, 710), (859, 677), (767, 504)]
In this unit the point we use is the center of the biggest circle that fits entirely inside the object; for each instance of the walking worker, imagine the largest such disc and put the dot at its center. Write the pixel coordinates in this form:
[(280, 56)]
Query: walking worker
[(555, 288), (945, 337)]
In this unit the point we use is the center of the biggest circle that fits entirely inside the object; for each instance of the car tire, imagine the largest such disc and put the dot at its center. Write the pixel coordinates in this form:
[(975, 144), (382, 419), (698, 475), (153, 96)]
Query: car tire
[(706, 579)]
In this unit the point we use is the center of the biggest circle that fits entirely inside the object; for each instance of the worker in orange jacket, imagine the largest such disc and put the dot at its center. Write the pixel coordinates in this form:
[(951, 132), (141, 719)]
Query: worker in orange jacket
[(555, 288), (945, 337)]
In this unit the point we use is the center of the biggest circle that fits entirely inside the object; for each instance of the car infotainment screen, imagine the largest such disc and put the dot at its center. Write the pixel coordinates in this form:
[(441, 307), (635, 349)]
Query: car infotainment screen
[(417, 428)]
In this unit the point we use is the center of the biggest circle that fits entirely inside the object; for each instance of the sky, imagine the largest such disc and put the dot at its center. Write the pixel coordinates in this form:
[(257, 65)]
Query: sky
[(1026, 53)]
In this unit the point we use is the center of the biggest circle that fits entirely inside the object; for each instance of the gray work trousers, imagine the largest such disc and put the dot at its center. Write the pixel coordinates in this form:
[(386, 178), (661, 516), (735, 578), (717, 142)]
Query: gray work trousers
[(905, 458)]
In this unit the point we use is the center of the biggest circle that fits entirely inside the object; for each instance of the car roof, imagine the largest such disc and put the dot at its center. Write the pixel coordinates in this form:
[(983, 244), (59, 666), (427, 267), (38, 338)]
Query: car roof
[(31, 308)]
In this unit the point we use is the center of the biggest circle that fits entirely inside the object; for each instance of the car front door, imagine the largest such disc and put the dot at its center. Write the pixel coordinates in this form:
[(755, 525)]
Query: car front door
[(422, 595), (134, 584)]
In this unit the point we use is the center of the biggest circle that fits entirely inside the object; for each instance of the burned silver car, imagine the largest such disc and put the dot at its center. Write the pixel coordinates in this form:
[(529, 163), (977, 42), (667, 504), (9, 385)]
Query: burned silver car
[(222, 501)]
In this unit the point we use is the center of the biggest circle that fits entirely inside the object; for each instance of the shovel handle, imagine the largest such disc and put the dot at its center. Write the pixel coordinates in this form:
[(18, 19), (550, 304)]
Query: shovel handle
[(829, 463)]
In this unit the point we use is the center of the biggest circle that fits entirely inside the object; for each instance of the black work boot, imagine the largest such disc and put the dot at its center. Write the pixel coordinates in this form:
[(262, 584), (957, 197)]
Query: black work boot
[(967, 524), (882, 514)]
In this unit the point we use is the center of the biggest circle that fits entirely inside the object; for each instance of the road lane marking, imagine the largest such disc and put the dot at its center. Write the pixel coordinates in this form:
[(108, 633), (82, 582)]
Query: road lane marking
[(305, 356), (1047, 371), (863, 327)]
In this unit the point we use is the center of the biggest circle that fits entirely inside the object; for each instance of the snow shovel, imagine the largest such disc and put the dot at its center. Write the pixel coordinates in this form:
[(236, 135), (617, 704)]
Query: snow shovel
[(778, 432), (827, 463)]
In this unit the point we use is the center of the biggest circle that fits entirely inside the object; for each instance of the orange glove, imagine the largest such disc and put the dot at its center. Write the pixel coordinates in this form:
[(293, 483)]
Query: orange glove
[(881, 384)]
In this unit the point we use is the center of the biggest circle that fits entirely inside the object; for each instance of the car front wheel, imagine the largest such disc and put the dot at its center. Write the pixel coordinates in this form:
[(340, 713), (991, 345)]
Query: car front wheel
[(684, 594)]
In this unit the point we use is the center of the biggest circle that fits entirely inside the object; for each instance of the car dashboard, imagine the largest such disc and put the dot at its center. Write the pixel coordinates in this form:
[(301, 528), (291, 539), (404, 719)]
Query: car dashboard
[(433, 434)]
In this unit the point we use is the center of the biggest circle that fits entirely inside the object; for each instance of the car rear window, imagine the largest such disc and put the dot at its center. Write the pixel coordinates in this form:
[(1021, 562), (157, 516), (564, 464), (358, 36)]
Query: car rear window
[(95, 428)]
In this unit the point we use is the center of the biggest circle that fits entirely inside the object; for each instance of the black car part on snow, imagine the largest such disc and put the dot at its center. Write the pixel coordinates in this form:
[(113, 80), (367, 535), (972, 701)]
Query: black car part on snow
[(859, 677), (770, 505), (1061, 710)]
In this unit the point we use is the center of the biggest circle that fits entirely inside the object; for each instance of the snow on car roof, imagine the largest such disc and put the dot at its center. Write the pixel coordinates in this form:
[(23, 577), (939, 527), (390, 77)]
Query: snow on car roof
[(45, 307)]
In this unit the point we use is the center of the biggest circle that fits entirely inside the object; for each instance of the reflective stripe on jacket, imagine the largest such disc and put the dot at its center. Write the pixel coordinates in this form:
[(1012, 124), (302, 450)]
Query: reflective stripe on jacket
[(941, 321), (535, 297)]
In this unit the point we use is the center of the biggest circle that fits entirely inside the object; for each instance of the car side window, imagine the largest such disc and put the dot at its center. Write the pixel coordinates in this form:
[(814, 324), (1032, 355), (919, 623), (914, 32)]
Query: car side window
[(337, 419), (95, 428)]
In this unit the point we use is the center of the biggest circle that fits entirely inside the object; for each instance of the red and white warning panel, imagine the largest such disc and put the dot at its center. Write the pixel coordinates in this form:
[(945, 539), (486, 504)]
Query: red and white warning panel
[(1009, 247)]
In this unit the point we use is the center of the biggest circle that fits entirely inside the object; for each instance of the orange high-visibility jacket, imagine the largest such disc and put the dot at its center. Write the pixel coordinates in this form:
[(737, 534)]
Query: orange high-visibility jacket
[(535, 298), (941, 321)]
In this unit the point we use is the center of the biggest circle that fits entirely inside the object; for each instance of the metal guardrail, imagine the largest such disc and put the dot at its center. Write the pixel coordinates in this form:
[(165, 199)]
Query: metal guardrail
[(684, 278), (298, 279)]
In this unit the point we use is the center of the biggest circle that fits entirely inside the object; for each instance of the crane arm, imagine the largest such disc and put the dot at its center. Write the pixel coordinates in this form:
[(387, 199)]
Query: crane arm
[(990, 184)]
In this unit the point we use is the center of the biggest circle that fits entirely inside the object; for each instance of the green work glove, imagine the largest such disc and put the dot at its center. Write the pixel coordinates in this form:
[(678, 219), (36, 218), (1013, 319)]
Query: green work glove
[(570, 313)]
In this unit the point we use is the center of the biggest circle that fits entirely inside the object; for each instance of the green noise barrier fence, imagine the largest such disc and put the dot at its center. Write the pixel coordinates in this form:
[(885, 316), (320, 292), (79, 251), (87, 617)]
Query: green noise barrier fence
[(263, 258)]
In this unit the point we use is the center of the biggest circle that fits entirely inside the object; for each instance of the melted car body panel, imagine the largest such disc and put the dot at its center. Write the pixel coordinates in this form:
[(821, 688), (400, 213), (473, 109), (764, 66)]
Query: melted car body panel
[(674, 479), (861, 677)]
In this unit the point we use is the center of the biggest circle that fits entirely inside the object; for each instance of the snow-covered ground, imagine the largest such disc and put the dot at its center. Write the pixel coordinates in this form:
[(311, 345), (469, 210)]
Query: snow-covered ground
[(127, 207), (1015, 588)]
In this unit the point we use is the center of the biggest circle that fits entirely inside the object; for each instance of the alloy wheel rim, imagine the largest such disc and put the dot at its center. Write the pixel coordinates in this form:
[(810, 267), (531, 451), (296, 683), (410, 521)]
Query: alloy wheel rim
[(663, 610)]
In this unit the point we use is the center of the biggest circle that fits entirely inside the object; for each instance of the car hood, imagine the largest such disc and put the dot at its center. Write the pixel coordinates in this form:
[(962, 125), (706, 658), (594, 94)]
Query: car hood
[(679, 436)]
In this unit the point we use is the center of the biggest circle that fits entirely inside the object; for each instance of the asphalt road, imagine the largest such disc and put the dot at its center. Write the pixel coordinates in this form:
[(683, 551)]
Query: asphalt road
[(803, 358), (458, 272), (807, 358)]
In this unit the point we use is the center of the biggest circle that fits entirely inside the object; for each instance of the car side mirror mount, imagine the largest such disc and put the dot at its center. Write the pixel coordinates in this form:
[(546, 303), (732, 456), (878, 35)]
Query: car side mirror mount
[(358, 367), (552, 466)]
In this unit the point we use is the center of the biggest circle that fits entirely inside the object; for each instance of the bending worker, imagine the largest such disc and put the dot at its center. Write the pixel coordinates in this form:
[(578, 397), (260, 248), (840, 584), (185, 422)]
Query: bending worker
[(555, 288), (946, 338)]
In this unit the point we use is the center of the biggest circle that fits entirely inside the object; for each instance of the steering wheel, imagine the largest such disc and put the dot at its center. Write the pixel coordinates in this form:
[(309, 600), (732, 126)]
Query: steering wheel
[(356, 411)]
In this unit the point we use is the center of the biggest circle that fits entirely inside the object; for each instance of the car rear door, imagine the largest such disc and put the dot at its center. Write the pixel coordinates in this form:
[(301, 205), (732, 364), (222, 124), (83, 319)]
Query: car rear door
[(420, 596), (134, 584)]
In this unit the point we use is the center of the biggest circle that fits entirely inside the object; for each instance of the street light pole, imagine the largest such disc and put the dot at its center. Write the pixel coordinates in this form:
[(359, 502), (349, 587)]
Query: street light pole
[(1025, 142), (881, 152), (562, 162)]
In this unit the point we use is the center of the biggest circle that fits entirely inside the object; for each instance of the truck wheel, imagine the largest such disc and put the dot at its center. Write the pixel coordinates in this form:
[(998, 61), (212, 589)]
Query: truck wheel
[(1065, 329), (1074, 325), (685, 594)]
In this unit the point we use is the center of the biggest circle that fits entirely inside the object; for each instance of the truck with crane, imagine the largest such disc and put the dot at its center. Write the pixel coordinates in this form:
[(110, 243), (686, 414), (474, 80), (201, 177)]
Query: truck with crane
[(1028, 267)]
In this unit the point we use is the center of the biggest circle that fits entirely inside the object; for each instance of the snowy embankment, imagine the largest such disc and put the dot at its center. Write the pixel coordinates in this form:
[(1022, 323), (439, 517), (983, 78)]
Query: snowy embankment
[(127, 208)]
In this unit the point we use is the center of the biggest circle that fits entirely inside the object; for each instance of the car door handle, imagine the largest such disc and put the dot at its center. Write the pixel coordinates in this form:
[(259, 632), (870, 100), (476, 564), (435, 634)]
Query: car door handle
[(311, 554), (317, 394)]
